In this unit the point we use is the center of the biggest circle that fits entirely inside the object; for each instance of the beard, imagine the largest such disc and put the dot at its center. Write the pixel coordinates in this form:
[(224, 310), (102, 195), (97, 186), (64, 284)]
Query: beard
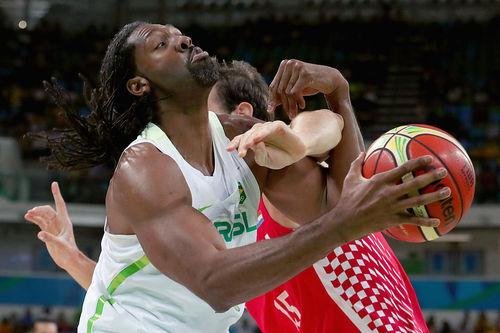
[(205, 72)]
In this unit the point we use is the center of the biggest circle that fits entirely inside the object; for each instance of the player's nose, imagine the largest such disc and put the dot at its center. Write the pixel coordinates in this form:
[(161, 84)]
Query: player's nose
[(184, 43)]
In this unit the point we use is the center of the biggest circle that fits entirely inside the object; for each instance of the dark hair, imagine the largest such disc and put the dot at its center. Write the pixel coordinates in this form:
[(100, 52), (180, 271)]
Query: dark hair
[(239, 81), (117, 117)]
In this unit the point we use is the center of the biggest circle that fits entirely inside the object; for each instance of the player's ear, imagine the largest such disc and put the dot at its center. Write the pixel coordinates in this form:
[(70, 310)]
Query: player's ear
[(244, 109), (138, 86)]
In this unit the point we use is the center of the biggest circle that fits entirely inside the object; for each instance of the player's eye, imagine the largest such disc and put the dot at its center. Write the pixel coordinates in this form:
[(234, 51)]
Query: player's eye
[(160, 45)]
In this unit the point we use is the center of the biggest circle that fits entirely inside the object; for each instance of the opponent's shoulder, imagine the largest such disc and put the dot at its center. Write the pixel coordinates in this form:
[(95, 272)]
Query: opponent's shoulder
[(236, 124), (146, 177)]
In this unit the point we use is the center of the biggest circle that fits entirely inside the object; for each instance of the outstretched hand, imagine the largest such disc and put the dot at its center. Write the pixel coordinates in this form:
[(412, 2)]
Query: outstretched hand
[(56, 229), (378, 203), (275, 145)]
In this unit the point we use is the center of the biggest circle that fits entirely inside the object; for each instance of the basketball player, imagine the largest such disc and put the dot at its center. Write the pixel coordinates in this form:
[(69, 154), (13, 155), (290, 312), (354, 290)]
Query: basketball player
[(293, 306), (240, 90), (163, 266)]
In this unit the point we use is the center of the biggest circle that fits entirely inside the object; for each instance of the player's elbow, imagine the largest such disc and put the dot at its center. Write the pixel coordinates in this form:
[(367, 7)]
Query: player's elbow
[(217, 293), (219, 306), (217, 301)]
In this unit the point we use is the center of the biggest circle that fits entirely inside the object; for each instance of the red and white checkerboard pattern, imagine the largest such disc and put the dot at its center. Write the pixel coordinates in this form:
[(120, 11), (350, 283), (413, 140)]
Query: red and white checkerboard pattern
[(360, 276)]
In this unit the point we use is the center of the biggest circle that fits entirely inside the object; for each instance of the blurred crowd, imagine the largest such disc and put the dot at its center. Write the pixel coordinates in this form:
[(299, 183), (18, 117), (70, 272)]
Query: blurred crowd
[(459, 64), (61, 323), (481, 324), (47, 321)]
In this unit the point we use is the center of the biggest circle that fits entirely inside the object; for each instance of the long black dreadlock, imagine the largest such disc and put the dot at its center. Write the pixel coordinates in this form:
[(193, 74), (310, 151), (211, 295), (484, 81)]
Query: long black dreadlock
[(117, 117)]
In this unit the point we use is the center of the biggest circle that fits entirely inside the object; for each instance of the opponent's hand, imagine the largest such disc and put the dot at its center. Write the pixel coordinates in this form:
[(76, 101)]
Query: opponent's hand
[(296, 79), (56, 229), (275, 145), (369, 205)]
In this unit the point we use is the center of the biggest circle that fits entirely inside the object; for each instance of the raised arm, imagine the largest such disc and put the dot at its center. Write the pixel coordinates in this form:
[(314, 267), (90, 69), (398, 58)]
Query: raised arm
[(56, 231), (296, 79), (352, 143), (149, 196)]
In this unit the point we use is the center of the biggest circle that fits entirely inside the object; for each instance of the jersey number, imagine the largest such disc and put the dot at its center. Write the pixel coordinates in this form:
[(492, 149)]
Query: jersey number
[(288, 310)]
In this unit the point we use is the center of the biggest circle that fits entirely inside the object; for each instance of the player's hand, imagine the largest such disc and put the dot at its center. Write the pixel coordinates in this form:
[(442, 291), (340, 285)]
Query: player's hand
[(274, 144), (56, 229), (369, 205), (296, 79)]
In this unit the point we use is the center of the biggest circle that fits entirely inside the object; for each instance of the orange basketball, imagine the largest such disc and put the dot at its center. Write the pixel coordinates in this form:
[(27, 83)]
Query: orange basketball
[(411, 141)]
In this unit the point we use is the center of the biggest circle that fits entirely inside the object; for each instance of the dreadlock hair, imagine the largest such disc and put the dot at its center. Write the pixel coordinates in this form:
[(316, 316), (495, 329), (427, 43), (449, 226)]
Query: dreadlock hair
[(117, 117)]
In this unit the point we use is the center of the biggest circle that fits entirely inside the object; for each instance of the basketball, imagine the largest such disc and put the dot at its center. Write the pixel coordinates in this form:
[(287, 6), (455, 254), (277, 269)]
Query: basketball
[(404, 143)]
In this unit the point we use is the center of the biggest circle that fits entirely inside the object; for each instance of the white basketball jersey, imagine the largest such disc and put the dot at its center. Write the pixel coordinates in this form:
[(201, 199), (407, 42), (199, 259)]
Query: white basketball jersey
[(128, 294)]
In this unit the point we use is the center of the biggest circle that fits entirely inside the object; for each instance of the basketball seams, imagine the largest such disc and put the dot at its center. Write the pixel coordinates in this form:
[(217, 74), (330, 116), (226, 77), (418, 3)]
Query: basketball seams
[(401, 143), (391, 154), (397, 142), (389, 232), (445, 165), (385, 145), (419, 192), (454, 142), (434, 131)]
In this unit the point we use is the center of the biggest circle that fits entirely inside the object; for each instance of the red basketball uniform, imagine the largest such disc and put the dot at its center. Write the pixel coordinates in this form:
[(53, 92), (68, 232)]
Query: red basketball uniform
[(359, 287)]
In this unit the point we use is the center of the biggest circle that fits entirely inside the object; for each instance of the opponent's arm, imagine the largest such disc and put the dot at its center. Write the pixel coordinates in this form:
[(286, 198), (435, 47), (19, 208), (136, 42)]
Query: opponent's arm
[(352, 142), (296, 79), (277, 145), (320, 130), (149, 194), (56, 231)]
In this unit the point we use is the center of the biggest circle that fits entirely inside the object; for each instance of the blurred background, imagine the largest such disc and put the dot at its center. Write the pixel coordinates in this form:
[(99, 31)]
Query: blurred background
[(422, 61)]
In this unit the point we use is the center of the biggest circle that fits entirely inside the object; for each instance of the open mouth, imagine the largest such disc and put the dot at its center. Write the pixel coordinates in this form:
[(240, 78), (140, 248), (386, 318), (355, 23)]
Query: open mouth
[(198, 54)]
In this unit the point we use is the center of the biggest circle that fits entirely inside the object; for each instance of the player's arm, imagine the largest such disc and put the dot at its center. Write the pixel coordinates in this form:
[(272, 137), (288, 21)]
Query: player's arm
[(295, 183), (149, 195), (277, 145), (56, 231), (296, 79), (320, 130), (352, 143)]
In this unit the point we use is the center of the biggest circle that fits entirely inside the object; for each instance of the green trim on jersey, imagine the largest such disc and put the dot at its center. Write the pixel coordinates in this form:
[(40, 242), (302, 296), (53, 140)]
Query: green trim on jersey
[(115, 283)]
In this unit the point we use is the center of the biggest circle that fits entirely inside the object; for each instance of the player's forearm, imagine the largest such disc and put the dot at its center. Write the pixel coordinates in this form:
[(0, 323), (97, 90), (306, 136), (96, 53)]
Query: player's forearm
[(351, 143), (81, 268), (237, 275), (320, 130)]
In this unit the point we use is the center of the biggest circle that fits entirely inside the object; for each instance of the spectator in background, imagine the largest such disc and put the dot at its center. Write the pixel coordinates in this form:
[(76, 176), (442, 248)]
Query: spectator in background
[(44, 325), (431, 325), (482, 324), (6, 326), (63, 324), (27, 319), (446, 328)]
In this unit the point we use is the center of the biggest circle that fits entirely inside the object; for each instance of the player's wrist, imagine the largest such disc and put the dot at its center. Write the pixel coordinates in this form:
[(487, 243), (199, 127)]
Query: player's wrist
[(338, 86), (343, 228), (73, 259)]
